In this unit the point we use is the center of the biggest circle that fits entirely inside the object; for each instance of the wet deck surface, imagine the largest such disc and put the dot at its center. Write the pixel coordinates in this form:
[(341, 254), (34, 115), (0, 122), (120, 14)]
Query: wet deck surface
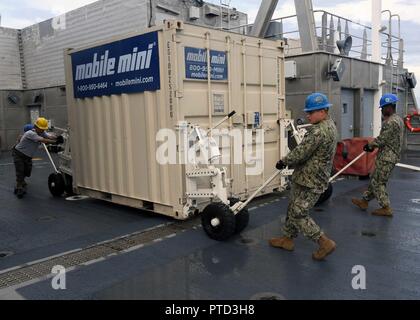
[(191, 266)]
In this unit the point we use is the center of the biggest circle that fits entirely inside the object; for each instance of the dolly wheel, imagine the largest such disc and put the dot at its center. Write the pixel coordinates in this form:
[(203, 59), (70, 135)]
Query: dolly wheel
[(242, 218), (56, 184), (218, 221), (326, 195)]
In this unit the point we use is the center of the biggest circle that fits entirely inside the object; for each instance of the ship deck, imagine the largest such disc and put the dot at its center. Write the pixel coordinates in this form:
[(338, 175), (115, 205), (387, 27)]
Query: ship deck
[(114, 252)]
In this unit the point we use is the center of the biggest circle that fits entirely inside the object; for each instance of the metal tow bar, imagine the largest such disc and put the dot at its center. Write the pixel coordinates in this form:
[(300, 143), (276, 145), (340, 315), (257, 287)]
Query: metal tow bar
[(400, 165), (406, 166), (56, 182), (348, 166), (238, 207), (51, 159), (221, 221), (241, 205)]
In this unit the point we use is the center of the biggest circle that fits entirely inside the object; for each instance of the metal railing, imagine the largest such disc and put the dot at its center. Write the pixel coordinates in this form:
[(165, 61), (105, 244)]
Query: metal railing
[(329, 29)]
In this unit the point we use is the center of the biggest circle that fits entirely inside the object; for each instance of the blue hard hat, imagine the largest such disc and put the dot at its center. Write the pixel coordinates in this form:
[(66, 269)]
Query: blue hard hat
[(317, 101), (388, 99), (28, 127)]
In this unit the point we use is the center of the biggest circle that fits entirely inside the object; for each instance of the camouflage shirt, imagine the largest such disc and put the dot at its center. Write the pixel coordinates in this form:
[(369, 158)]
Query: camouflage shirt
[(313, 158), (390, 140)]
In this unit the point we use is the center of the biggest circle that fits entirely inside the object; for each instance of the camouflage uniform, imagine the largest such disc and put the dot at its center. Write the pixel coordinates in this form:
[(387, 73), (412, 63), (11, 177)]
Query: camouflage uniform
[(389, 143), (312, 161)]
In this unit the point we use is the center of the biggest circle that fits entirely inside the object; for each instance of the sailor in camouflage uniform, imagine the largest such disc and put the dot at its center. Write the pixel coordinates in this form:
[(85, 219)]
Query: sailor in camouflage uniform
[(312, 162), (389, 144)]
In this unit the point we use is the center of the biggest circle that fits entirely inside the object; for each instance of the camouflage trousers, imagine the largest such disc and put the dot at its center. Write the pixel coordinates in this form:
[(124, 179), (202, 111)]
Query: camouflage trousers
[(378, 182), (302, 199)]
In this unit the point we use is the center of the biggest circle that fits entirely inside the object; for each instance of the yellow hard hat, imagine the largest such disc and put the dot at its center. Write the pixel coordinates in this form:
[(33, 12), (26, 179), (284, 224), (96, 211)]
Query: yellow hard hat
[(42, 123)]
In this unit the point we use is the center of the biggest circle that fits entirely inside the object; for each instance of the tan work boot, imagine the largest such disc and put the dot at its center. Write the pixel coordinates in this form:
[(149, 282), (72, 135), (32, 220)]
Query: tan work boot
[(326, 247), (362, 204), (383, 212), (283, 243)]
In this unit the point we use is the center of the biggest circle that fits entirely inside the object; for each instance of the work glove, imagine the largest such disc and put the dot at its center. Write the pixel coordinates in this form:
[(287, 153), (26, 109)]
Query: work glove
[(368, 148), (281, 165), (60, 140)]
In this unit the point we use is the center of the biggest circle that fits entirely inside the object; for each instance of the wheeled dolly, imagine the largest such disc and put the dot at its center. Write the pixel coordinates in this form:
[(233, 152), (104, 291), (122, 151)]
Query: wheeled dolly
[(58, 183), (221, 222)]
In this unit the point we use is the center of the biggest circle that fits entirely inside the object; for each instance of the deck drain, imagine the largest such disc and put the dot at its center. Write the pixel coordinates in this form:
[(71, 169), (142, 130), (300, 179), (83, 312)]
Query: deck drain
[(77, 198), (318, 210), (267, 296), (5, 254), (93, 253), (368, 234)]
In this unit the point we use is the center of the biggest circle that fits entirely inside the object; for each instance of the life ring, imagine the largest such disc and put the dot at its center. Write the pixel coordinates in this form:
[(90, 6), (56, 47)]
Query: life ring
[(408, 122)]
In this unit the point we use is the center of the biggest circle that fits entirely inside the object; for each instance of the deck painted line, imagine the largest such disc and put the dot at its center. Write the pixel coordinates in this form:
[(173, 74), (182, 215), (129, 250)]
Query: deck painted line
[(133, 248), (31, 263), (31, 282), (113, 254), (94, 261)]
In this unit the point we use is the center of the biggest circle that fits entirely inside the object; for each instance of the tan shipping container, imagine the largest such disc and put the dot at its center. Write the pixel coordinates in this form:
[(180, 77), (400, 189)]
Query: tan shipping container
[(113, 136)]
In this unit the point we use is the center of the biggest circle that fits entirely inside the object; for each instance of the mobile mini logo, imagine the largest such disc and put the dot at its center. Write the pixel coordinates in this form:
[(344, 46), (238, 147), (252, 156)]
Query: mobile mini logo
[(103, 65)]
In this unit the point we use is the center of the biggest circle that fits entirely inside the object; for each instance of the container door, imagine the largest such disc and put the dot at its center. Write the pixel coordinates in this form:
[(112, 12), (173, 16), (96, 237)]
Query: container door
[(367, 113), (347, 114)]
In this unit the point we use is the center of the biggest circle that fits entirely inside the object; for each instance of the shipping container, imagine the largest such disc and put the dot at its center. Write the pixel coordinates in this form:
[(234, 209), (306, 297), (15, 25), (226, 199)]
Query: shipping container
[(121, 93)]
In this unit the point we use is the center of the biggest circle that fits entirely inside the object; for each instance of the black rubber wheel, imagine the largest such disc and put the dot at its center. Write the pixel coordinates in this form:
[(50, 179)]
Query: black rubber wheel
[(326, 195), (225, 229), (68, 188), (241, 219), (56, 184)]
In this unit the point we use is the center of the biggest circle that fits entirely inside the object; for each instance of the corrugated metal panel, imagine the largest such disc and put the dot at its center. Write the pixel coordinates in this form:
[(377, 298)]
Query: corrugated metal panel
[(43, 45), (10, 69), (114, 138), (12, 117)]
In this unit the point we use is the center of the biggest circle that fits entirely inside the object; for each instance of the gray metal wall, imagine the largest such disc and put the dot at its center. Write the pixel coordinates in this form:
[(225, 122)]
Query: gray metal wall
[(10, 67), (42, 49), (52, 104), (13, 116), (210, 15), (312, 77), (43, 43)]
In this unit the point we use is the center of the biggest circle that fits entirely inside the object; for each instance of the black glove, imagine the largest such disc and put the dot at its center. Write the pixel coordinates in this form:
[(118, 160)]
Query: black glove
[(60, 140), (281, 165), (368, 148)]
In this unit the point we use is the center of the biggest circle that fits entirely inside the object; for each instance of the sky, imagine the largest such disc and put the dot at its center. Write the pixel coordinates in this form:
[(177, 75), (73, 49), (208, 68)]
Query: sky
[(22, 13)]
